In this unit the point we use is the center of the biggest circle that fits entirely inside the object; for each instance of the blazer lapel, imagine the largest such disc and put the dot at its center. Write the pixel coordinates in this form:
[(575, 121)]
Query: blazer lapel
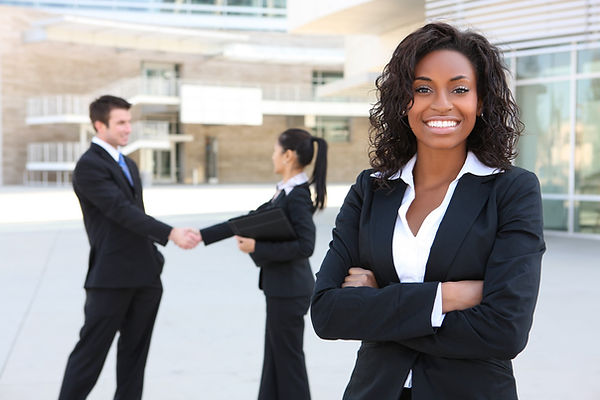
[(121, 178), (470, 196), (384, 209)]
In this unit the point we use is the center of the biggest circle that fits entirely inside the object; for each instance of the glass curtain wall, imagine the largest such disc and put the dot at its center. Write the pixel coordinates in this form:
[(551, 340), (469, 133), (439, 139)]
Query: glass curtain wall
[(559, 96)]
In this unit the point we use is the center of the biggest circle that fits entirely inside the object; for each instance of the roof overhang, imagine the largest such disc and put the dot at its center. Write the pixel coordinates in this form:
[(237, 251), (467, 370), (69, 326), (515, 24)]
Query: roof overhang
[(355, 17), (119, 34)]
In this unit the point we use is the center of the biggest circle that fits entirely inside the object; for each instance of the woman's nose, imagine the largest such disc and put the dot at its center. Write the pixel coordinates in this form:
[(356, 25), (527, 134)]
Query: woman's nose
[(441, 103)]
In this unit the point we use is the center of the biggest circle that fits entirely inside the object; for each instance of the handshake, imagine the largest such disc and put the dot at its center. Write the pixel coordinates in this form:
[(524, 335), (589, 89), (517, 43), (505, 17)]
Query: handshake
[(186, 238)]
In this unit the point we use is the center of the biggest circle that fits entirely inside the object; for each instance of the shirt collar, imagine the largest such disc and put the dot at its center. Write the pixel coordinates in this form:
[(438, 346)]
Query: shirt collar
[(472, 166), (114, 153), (294, 181)]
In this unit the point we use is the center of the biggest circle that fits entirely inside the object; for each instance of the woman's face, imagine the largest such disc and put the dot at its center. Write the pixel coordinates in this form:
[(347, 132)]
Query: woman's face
[(278, 158), (445, 104)]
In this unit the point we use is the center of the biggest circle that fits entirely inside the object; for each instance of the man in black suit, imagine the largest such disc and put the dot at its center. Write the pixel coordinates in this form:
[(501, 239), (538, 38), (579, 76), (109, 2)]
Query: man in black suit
[(123, 286)]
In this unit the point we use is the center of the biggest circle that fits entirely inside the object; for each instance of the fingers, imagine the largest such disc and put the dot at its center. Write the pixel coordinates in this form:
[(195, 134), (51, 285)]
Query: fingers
[(246, 245), (186, 238), (358, 277)]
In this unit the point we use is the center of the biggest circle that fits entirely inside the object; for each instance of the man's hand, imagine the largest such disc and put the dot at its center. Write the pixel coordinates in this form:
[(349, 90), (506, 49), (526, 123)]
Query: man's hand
[(360, 277), (186, 238), (245, 244)]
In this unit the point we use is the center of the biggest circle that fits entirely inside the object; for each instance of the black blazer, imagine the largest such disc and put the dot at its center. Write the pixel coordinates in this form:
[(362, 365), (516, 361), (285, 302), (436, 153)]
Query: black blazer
[(284, 267), (121, 235), (492, 231)]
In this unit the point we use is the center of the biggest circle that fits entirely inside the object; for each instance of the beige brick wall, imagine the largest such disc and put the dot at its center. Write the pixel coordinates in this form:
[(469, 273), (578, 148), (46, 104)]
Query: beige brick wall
[(45, 68), (244, 153)]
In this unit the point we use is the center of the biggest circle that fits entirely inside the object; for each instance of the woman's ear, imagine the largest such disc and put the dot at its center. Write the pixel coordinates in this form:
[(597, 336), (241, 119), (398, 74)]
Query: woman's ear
[(479, 108), (288, 156)]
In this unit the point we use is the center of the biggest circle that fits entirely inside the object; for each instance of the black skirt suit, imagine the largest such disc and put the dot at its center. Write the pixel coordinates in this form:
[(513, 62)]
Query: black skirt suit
[(287, 281), (492, 231)]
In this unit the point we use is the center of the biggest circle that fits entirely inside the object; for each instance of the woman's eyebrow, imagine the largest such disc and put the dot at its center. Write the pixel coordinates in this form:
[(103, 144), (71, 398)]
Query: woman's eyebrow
[(456, 78)]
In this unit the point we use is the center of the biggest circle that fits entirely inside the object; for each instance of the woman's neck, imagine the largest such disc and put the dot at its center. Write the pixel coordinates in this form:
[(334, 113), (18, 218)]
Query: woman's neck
[(437, 167), (290, 173)]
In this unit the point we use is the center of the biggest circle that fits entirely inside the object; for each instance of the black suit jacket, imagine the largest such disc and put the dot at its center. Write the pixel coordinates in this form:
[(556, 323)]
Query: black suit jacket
[(121, 235), (492, 231), (284, 267)]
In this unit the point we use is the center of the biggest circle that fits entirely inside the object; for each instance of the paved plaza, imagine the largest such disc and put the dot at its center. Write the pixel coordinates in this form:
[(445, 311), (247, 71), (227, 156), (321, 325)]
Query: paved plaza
[(208, 338)]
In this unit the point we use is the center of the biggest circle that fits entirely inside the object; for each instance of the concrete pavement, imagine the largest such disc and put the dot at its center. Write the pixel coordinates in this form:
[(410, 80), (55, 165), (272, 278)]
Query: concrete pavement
[(209, 332)]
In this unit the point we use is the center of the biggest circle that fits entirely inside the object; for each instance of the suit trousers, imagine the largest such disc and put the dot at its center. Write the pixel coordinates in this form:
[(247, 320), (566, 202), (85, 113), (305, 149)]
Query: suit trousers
[(284, 371), (131, 312)]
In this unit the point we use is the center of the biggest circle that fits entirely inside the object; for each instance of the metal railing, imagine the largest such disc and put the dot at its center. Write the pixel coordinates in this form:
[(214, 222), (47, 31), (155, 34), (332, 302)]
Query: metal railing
[(142, 86), (130, 88), (149, 130), (282, 91), (63, 104), (72, 104), (54, 152)]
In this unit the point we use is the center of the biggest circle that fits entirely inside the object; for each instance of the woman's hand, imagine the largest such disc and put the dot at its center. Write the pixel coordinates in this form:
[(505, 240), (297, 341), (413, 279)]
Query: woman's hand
[(461, 295), (360, 277), (245, 244)]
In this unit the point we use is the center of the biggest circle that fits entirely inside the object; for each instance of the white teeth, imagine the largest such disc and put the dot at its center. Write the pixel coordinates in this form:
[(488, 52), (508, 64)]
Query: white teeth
[(442, 124)]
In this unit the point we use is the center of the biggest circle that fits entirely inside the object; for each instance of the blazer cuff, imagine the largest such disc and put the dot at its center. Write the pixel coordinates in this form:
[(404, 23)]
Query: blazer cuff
[(216, 233), (161, 233)]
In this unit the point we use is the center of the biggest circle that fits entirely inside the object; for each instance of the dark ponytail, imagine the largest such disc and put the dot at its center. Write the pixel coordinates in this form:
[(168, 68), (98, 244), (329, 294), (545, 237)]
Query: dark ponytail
[(301, 142)]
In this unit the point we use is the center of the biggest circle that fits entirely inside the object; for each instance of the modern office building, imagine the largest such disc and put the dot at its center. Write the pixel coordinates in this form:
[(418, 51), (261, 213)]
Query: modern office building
[(212, 83), (553, 50), (214, 80)]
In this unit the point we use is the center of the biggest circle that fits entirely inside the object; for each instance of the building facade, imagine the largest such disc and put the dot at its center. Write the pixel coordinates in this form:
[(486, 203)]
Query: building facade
[(208, 103), (553, 51), (214, 81)]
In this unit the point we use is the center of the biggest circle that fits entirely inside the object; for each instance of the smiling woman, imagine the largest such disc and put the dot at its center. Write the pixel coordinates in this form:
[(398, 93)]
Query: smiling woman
[(436, 252)]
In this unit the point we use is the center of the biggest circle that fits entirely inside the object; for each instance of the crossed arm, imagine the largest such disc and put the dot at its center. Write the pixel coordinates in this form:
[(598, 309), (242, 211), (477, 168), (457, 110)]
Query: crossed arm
[(489, 318), (456, 296)]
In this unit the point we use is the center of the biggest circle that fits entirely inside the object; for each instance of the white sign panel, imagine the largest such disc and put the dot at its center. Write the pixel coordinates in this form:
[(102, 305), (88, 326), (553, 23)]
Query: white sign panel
[(218, 105)]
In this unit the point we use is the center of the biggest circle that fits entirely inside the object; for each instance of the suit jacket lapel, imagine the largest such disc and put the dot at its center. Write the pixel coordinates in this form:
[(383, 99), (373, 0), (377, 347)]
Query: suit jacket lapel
[(469, 197), (121, 178), (386, 203)]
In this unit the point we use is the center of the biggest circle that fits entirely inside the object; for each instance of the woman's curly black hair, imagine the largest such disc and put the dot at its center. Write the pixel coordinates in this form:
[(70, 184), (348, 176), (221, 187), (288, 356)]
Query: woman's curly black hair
[(494, 137)]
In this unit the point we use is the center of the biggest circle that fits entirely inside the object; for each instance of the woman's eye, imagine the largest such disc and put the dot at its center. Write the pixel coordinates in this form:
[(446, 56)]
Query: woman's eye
[(422, 89), (461, 89)]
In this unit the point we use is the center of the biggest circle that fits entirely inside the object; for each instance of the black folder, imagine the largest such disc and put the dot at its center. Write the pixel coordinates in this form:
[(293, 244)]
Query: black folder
[(269, 225)]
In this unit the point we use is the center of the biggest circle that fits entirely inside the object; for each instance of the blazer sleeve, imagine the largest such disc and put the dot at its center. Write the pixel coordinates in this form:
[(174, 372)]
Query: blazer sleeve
[(499, 326), (98, 187), (221, 231), (216, 233), (300, 212), (392, 313)]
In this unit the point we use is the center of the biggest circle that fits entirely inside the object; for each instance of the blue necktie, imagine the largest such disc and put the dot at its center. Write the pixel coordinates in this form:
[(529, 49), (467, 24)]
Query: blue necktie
[(125, 168)]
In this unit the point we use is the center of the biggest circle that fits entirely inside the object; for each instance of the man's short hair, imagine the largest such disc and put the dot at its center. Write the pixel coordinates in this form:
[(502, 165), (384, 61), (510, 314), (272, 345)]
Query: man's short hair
[(101, 107)]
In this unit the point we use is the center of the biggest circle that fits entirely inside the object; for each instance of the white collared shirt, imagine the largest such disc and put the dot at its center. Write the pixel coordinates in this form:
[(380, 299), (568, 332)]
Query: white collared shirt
[(291, 183), (114, 153), (410, 253)]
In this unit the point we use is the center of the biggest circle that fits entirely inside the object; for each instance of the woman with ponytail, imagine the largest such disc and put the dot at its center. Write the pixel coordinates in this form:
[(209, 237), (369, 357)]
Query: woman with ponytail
[(286, 277)]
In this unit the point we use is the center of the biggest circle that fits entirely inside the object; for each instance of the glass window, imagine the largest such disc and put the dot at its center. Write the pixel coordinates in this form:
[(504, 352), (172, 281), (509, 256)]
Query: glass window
[(588, 61), (159, 79), (587, 139), (544, 65), (555, 214), (587, 217), (333, 129), (544, 148), (323, 77)]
